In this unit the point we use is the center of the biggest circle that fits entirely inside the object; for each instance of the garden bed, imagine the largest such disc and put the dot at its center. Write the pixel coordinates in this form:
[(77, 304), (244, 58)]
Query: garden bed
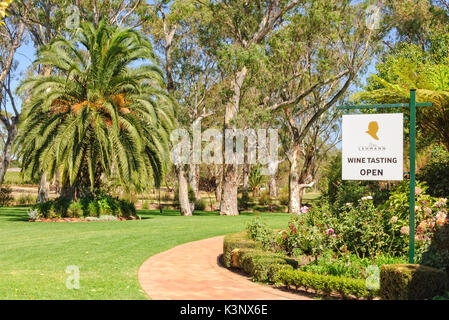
[(87, 219), (241, 252)]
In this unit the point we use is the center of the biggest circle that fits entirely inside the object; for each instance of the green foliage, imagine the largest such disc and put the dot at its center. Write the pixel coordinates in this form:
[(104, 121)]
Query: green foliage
[(265, 199), (256, 180), (75, 210), (25, 199), (343, 286), (340, 192), (244, 201), (234, 241), (260, 232), (111, 118), (87, 206), (43, 208), (411, 282), (263, 266), (6, 197), (410, 67), (435, 252), (348, 265), (200, 205), (436, 173)]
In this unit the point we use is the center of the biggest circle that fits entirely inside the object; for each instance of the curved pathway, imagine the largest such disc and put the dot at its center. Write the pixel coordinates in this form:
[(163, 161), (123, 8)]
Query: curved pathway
[(192, 271)]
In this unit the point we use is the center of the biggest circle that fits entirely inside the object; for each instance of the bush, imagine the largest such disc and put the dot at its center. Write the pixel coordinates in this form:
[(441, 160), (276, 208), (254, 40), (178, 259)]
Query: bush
[(436, 173), (92, 209), (236, 241), (284, 200), (60, 207), (6, 197), (75, 210), (411, 282), (265, 199), (261, 265), (200, 205), (25, 199), (44, 208), (260, 232), (435, 253), (343, 286), (244, 202)]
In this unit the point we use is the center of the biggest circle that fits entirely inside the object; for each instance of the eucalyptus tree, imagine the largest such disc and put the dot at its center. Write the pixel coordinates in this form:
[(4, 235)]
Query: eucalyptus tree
[(175, 27), (96, 114), (319, 53), (12, 33), (239, 28)]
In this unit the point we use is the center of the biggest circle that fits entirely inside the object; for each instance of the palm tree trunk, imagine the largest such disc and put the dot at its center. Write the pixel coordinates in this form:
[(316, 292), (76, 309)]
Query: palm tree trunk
[(42, 191)]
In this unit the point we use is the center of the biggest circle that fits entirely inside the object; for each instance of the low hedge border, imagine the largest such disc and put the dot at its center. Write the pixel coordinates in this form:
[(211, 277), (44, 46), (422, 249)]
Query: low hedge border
[(243, 253), (411, 282), (239, 251), (325, 284)]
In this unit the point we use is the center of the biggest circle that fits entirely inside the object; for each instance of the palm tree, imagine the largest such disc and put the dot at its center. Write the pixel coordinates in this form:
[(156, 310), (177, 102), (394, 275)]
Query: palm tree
[(100, 112)]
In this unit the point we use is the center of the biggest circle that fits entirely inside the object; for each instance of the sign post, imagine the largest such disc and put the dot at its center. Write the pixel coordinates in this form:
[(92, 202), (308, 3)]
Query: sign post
[(387, 157)]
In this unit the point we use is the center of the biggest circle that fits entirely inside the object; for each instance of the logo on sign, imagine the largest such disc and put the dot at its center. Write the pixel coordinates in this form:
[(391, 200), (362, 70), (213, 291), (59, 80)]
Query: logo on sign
[(373, 128)]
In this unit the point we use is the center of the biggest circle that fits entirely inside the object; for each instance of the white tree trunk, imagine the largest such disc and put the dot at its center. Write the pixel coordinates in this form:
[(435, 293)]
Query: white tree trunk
[(183, 192), (194, 179)]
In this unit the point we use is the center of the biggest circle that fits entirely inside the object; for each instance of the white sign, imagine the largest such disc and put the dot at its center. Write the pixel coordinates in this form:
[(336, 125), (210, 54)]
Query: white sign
[(373, 147)]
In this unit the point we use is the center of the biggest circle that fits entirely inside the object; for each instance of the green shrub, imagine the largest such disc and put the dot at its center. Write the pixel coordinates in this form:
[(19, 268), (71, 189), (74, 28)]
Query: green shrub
[(200, 205), (44, 208), (92, 210), (146, 205), (25, 199), (75, 210), (265, 199), (236, 241), (263, 266), (6, 197), (284, 200), (260, 232), (343, 286), (244, 202), (126, 208), (411, 282), (60, 206), (436, 173)]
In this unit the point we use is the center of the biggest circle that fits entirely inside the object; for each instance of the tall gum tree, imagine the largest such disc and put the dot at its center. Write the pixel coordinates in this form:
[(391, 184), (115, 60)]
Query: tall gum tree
[(319, 55), (240, 27), (175, 26)]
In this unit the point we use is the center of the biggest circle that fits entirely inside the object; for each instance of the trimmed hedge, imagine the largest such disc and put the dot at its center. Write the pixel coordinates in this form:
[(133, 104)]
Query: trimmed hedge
[(236, 241), (263, 266), (411, 282), (325, 284), (241, 252)]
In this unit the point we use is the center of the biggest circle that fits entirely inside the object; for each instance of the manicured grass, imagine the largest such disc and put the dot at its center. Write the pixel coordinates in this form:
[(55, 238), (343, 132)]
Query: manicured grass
[(34, 255)]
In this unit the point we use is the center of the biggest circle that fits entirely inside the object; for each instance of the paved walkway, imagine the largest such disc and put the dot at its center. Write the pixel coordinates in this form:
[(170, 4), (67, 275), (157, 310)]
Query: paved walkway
[(192, 271)]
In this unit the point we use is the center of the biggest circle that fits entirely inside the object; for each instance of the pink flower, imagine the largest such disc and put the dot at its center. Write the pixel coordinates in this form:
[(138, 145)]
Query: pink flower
[(417, 191), (305, 209), (405, 230), (330, 231)]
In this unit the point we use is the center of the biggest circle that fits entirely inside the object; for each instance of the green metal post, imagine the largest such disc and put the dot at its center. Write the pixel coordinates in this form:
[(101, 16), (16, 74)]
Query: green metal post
[(411, 255)]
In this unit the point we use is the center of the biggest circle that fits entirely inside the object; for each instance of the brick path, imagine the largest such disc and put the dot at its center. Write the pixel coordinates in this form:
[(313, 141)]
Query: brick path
[(192, 272)]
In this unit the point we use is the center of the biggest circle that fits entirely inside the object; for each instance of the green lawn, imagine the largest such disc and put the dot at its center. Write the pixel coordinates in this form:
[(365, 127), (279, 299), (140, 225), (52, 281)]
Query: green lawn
[(34, 255)]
